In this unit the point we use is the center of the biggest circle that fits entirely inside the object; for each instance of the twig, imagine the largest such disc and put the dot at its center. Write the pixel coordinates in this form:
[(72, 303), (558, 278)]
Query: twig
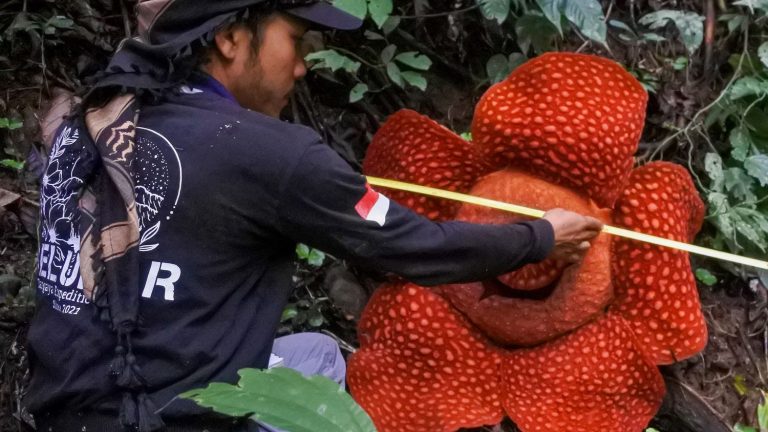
[(355, 56), (608, 12), (126, 20), (342, 343), (709, 37), (751, 354), (765, 346)]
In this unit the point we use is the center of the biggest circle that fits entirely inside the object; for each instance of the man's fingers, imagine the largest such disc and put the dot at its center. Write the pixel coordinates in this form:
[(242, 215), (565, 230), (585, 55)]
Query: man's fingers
[(593, 224), (583, 246)]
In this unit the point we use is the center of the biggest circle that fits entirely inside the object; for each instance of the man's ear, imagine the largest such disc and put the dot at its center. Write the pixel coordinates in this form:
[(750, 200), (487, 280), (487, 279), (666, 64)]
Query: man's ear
[(229, 41)]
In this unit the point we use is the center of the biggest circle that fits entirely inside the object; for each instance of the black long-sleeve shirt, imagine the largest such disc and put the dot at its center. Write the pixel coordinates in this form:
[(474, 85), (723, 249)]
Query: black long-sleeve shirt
[(223, 194)]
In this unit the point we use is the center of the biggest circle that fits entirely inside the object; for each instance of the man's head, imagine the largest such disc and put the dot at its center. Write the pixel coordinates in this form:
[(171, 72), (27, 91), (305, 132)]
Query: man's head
[(259, 60), (253, 44)]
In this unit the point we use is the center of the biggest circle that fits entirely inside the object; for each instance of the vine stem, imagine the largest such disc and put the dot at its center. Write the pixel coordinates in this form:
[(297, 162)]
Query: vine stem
[(355, 56)]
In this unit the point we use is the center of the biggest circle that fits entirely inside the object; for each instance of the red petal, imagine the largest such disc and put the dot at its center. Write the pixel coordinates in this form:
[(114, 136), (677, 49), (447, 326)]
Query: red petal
[(413, 148), (421, 366), (573, 119), (655, 288), (595, 379), (581, 291)]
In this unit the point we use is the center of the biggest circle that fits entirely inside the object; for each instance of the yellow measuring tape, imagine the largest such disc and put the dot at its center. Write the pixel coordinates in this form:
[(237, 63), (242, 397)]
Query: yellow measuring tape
[(647, 238)]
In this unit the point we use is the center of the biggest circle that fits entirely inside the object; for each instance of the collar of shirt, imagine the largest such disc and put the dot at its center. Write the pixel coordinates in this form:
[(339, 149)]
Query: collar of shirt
[(207, 83)]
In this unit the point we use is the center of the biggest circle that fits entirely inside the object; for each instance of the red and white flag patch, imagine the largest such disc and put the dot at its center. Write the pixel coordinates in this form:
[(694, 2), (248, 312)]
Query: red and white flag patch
[(373, 206)]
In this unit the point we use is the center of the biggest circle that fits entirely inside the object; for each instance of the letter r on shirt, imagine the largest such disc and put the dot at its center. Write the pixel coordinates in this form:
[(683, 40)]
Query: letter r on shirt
[(171, 274)]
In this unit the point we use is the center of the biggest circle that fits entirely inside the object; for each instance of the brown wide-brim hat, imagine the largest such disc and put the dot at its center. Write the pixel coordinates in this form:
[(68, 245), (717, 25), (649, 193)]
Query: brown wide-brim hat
[(168, 28)]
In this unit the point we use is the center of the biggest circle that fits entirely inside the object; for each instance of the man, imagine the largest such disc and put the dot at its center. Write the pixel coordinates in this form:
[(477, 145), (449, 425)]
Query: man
[(171, 207)]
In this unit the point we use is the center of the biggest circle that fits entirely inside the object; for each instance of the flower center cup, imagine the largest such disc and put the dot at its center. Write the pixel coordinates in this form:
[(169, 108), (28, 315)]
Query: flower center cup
[(541, 301)]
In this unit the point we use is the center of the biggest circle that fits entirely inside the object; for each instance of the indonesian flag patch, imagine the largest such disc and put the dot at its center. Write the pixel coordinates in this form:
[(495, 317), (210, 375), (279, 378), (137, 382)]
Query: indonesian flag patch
[(373, 206)]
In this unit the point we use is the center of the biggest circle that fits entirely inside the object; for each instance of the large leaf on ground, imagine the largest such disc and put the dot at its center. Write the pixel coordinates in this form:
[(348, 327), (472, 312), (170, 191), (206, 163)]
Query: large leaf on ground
[(284, 398)]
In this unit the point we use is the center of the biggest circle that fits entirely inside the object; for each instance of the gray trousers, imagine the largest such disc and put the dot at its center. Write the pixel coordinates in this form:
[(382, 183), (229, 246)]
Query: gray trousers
[(310, 354)]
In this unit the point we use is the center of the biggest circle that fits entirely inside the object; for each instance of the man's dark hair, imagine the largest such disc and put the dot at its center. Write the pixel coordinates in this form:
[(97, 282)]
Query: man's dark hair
[(201, 50)]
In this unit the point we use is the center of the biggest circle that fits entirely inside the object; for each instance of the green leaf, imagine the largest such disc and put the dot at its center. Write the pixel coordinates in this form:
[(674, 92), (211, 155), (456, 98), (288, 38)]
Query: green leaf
[(12, 164), (705, 277), (753, 4), (650, 429), (535, 30), (738, 427), (22, 22), (740, 385), (733, 21), (516, 60), (387, 53), (757, 167), (285, 399), (357, 92), (553, 10), (494, 9), (289, 312), (302, 251), (751, 65), (414, 59), (747, 229), (739, 184), (621, 25), (749, 86), (762, 53), (760, 219), (757, 121), (58, 22), (316, 318), (689, 24), (466, 136), (588, 16), (740, 142), (333, 60), (415, 79), (380, 11), (497, 68), (718, 203), (713, 164), (358, 8), (393, 72), (653, 37), (10, 124), (762, 414), (725, 224), (390, 24), (316, 258), (373, 35), (680, 63)]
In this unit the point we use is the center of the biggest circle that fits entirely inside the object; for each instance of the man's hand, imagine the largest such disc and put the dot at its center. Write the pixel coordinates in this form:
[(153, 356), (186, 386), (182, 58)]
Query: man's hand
[(572, 234)]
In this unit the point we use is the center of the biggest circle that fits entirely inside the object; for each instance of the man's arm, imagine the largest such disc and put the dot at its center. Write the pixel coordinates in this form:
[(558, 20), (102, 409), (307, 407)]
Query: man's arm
[(327, 205)]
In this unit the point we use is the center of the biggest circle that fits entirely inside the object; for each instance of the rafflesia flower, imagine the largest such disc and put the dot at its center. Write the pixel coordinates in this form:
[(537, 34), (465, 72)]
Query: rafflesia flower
[(554, 347)]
